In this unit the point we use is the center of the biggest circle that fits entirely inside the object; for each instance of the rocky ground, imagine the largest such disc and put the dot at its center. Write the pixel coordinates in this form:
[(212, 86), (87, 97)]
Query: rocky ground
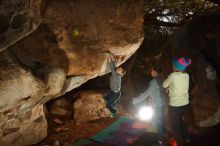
[(65, 131)]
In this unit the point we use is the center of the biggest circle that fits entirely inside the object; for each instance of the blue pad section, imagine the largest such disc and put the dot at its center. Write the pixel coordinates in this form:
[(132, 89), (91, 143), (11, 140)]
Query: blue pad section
[(122, 132), (82, 142), (107, 132)]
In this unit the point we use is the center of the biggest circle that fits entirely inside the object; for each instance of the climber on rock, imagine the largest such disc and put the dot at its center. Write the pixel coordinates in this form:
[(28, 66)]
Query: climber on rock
[(114, 94)]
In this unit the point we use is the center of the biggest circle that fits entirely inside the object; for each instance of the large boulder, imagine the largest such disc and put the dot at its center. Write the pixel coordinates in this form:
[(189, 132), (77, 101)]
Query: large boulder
[(212, 120), (22, 96), (77, 35), (199, 40), (21, 88), (28, 128), (18, 18), (90, 106)]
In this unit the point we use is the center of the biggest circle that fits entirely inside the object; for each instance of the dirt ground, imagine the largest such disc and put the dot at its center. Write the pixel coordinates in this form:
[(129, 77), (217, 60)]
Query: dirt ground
[(69, 132), (63, 131)]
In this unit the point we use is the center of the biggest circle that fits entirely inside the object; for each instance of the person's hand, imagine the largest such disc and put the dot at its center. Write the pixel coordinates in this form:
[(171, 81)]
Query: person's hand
[(112, 58)]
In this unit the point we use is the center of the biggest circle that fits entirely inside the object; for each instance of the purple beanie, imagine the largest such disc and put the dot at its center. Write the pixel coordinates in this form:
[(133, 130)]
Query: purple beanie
[(181, 63)]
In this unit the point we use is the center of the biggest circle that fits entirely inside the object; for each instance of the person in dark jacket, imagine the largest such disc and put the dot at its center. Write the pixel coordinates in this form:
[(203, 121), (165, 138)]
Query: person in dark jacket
[(114, 94), (156, 92)]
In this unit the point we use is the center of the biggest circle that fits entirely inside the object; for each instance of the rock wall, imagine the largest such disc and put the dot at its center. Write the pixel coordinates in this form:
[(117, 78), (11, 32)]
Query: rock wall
[(30, 127), (18, 18), (199, 40), (67, 49), (80, 33)]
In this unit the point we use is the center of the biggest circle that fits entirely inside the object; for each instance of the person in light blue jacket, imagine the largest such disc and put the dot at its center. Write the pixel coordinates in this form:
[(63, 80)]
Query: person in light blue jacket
[(155, 91)]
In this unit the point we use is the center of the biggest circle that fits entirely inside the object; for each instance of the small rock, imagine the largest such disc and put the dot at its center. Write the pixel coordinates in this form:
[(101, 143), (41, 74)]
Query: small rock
[(57, 130), (90, 106), (61, 129), (56, 143), (58, 121)]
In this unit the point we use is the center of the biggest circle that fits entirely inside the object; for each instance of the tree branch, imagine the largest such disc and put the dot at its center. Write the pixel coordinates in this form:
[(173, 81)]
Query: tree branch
[(162, 23), (160, 14), (215, 1)]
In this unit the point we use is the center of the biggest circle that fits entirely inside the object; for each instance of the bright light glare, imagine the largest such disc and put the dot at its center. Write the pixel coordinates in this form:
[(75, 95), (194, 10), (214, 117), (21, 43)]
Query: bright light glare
[(145, 113)]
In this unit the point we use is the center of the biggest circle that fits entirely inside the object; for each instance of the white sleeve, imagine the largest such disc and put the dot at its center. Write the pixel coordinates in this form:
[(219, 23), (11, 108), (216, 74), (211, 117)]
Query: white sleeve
[(167, 82)]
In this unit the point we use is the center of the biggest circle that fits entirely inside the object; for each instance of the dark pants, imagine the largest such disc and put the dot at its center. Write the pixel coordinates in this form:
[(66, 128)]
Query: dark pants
[(179, 127), (159, 119), (112, 100)]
